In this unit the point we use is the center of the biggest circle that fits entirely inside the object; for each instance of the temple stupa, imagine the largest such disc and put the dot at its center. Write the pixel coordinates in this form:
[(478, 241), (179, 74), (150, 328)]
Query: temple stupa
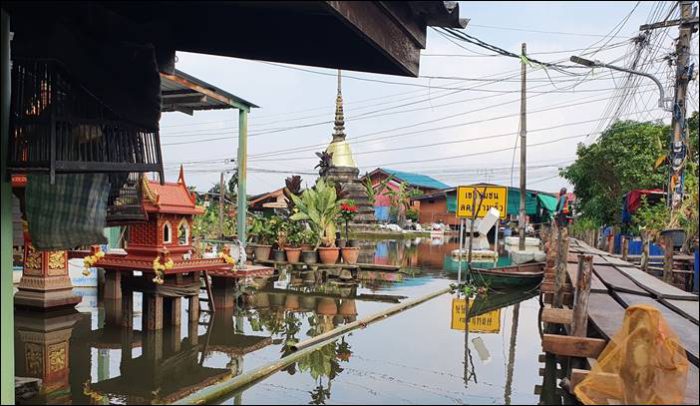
[(343, 168)]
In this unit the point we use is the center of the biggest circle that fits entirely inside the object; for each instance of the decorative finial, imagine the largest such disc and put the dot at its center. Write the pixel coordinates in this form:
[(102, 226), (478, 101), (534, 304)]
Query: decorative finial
[(339, 128), (181, 177)]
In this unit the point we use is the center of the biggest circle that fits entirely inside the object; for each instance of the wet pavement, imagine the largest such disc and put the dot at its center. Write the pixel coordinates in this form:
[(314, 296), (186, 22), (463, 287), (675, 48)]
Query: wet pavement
[(428, 354)]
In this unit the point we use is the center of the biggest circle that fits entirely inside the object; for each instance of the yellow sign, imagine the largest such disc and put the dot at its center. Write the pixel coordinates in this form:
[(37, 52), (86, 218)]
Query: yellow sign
[(484, 323), (494, 196)]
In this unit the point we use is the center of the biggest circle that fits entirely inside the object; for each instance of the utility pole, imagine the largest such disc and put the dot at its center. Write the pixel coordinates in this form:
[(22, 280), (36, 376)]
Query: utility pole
[(221, 206), (686, 24), (523, 149)]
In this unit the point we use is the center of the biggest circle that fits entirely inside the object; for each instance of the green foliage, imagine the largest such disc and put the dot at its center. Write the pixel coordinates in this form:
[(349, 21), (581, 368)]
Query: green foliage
[(401, 201), (319, 206), (412, 214), (206, 225), (650, 220), (584, 224), (372, 191), (262, 230), (621, 160)]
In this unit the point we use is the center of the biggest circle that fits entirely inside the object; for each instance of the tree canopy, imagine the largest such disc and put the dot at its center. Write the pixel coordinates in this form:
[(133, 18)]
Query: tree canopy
[(622, 159)]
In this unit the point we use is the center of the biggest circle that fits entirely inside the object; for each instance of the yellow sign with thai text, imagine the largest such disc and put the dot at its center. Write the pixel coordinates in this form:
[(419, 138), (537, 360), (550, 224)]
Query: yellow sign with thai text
[(484, 323), (493, 196)]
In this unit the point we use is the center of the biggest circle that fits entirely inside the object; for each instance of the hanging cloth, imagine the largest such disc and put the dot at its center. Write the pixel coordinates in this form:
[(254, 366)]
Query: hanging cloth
[(69, 213)]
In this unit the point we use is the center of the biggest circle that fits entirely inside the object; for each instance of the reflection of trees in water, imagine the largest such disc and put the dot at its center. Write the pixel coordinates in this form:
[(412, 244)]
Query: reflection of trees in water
[(325, 363)]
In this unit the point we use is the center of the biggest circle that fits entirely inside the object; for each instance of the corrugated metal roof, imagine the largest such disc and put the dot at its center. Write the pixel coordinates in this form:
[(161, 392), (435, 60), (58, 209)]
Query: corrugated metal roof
[(186, 93), (416, 179)]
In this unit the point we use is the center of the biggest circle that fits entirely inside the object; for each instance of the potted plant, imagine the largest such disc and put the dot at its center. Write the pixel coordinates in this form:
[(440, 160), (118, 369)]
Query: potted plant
[(294, 238), (278, 227), (350, 253), (309, 240), (320, 207), (264, 236)]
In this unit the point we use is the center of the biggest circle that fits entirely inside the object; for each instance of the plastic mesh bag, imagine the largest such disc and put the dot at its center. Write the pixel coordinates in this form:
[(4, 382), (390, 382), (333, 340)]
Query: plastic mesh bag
[(644, 363)]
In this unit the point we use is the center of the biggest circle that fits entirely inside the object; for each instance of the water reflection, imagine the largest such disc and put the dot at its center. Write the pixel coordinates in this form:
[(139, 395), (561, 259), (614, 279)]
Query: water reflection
[(412, 357)]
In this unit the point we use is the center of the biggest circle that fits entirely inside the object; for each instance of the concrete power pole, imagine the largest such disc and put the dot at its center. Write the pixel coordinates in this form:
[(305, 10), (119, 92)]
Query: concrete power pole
[(222, 193), (686, 24), (523, 149)]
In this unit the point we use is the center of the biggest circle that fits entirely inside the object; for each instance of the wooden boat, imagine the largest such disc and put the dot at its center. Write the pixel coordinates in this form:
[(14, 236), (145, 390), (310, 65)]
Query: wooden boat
[(511, 275)]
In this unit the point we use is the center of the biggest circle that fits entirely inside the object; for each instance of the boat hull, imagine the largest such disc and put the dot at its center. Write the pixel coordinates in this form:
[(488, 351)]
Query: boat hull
[(509, 276)]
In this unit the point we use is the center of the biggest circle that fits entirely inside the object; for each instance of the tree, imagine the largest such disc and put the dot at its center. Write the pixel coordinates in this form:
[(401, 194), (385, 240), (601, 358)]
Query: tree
[(401, 201), (621, 160)]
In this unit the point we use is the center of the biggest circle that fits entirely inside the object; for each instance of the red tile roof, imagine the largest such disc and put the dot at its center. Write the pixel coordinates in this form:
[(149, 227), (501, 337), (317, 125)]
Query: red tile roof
[(170, 197)]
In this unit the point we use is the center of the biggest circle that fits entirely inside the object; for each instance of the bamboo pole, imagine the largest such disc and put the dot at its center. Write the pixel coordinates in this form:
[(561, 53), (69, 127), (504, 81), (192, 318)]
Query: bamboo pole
[(210, 394)]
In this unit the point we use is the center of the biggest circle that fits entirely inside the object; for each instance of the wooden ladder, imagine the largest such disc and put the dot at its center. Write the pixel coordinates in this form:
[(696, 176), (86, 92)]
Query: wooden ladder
[(210, 297)]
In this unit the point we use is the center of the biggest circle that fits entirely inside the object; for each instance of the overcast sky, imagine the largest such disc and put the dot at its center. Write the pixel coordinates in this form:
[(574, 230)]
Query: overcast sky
[(458, 131)]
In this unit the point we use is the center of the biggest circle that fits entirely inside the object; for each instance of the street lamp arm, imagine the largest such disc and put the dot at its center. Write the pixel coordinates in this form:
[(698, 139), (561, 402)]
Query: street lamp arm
[(592, 64)]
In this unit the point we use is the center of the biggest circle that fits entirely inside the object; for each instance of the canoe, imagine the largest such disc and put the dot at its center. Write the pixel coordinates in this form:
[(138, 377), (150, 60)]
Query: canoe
[(529, 274)]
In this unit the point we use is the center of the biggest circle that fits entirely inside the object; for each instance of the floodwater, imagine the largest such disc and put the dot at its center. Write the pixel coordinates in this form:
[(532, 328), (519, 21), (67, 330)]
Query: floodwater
[(429, 354)]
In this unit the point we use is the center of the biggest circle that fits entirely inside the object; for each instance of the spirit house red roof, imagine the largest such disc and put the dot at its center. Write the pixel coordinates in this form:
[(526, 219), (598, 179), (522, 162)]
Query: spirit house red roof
[(169, 198)]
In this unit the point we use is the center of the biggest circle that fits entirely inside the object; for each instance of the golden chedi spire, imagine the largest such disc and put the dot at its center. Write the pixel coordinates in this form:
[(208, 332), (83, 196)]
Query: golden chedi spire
[(339, 147)]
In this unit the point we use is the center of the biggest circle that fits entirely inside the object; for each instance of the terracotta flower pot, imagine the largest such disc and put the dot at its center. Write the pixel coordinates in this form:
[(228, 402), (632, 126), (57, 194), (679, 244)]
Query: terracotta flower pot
[(347, 308), (291, 302), (326, 307), (329, 255), (262, 252), (350, 255), (278, 255), (306, 247), (293, 254), (249, 250), (309, 257)]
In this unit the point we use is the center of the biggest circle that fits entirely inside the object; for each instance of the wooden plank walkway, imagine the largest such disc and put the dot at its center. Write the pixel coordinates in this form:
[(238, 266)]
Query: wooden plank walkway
[(596, 284), (686, 330), (617, 281), (689, 309), (656, 286), (607, 315)]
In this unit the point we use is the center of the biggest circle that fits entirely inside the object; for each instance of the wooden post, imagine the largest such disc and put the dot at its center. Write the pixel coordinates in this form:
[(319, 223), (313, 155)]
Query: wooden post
[(152, 311), (127, 307), (113, 285), (625, 247), (668, 259), (644, 260), (561, 263), (194, 309), (173, 310), (579, 324)]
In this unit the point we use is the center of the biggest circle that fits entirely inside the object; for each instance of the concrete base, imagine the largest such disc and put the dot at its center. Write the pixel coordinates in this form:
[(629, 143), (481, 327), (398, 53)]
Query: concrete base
[(47, 300)]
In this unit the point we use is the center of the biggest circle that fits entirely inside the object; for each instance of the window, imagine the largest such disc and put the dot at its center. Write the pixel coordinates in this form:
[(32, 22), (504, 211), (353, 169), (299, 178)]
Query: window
[(183, 233), (167, 233)]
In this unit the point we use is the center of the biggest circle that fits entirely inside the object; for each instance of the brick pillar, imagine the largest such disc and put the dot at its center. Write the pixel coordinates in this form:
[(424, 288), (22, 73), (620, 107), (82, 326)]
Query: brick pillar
[(45, 283)]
